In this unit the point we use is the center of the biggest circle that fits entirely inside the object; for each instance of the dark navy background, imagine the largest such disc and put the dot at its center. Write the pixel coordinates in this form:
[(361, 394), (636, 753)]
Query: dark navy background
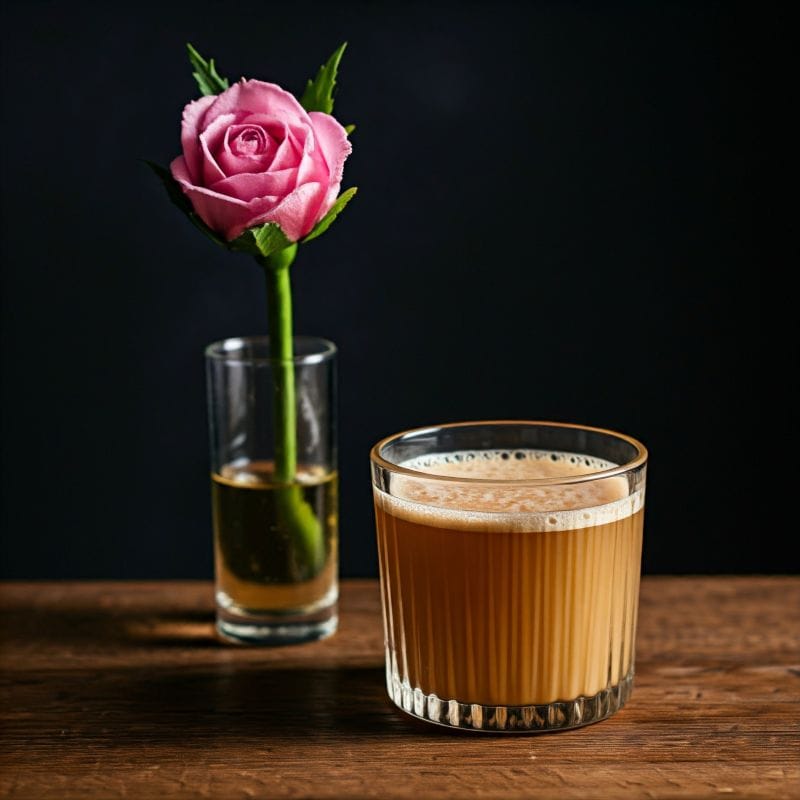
[(567, 211)]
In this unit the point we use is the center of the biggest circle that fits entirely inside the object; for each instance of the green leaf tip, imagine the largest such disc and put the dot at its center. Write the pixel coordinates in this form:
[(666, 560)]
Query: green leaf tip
[(205, 73), (348, 129), (318, 95), (341, 201)]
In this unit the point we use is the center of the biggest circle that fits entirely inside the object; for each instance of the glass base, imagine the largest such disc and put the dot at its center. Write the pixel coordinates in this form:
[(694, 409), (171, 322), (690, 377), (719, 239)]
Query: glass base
[(240, 626), (556, 716)]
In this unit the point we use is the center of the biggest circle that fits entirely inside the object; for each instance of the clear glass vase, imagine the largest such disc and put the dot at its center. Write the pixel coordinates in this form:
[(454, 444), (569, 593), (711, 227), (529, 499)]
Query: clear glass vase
[(274, 489)]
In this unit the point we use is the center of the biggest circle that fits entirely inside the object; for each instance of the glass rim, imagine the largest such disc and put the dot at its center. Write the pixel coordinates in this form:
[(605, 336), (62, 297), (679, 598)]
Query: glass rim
[(226, 350), (639, 460)]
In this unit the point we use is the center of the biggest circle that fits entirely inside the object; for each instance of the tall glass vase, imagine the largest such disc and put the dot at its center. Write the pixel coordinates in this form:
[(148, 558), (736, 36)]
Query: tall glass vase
[(275, 529)]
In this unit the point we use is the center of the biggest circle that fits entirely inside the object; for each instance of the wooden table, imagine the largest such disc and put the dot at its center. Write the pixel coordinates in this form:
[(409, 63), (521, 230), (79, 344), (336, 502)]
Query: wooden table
[(120, 690)]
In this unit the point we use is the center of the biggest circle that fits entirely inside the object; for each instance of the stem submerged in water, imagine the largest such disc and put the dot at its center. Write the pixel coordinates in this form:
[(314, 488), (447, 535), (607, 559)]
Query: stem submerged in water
[(298, 517)]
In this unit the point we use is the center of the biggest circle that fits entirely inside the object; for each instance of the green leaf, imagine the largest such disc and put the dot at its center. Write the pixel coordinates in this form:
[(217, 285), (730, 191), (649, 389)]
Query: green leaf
[(262, 240), (348, 129), (205, 73), (318, 95), (341, 201), (182, 201)]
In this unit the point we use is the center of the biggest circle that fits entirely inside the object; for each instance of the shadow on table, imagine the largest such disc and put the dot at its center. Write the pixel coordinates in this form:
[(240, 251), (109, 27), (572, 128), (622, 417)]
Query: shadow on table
[(264, 704), (113, 628), (174, 695), (260, 702)]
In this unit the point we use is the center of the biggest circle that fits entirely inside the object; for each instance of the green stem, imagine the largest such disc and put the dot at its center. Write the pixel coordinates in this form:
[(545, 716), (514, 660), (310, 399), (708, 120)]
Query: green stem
[(298, 517), (279, 300)]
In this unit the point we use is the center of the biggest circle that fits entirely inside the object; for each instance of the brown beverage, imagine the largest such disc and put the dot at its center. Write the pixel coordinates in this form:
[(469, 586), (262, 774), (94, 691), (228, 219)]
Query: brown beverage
[(256, 564), (505, 595)]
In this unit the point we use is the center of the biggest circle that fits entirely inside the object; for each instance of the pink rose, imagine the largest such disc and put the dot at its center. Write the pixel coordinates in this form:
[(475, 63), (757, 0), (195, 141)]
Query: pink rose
[(253, 155)]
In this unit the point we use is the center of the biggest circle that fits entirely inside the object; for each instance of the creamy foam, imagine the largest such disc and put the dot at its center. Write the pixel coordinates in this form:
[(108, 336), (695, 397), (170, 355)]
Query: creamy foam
[(504, 507)]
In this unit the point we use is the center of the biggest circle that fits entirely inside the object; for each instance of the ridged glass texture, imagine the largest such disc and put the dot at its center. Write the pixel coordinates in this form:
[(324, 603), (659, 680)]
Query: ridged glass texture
[(510, 630), (511, 619)]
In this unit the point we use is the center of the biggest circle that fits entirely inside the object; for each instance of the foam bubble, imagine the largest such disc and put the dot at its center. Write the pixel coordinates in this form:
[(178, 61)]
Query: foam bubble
[(503, 507)]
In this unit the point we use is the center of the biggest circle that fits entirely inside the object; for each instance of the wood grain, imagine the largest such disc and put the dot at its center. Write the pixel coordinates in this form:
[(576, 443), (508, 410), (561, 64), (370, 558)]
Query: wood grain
[(120, 690)]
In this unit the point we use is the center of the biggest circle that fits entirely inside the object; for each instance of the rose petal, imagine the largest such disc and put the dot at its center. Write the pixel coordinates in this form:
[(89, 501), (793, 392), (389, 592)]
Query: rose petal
[(291, 138), (257, 97), (251, 140), (289, 152), (313, 170), (332, 140), (191, 126), (274, 126), (248, 186), (211, 140), (296, 213), (221, 213), (233, 164), (180, 170)]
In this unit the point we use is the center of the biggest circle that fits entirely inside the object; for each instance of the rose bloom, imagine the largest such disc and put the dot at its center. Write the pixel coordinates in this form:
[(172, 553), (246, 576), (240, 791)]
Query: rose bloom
[(253, 154)]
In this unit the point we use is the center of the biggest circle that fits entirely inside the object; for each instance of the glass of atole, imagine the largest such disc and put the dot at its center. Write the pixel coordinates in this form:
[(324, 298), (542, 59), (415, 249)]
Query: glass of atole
[(510, 556), (275, 535)]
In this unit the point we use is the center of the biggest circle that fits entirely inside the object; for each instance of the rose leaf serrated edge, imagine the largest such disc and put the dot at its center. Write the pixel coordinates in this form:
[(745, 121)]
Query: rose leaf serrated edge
[(318, 94), (205, 73)]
